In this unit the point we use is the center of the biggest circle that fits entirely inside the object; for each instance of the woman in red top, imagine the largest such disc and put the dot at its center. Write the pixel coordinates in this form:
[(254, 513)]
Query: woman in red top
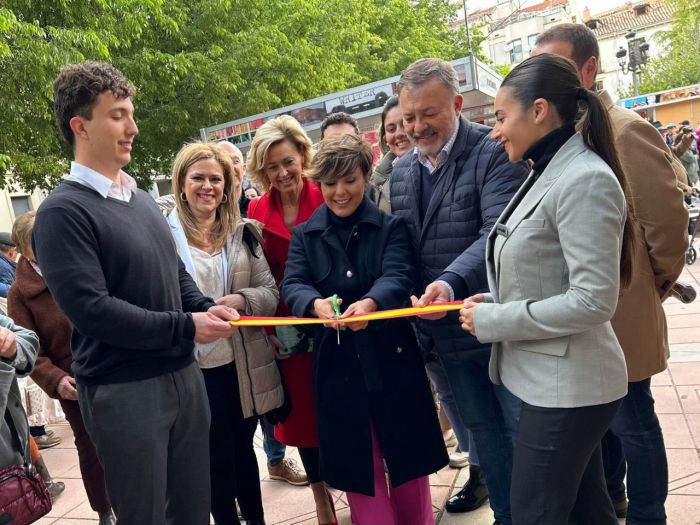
[(278, 156)]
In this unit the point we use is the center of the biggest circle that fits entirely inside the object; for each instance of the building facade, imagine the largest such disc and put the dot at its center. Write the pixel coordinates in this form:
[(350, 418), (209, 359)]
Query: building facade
[(627, 27), (15, 203)]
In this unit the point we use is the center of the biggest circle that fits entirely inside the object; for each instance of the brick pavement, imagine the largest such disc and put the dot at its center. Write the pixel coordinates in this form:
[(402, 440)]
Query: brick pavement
[(677, 394)]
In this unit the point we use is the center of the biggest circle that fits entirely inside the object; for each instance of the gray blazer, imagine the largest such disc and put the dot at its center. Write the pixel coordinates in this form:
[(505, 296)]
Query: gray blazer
[(553, 268)]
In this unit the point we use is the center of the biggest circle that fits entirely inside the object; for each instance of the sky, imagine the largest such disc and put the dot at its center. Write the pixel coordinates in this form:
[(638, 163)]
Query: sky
[(595, 6)]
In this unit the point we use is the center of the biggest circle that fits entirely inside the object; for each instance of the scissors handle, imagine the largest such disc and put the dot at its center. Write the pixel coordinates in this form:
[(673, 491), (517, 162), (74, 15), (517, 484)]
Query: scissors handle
[(336, 308)]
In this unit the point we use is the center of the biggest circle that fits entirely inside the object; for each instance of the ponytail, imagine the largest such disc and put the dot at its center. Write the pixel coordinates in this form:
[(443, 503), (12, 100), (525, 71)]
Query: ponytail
[(556, 79), (596, 130)]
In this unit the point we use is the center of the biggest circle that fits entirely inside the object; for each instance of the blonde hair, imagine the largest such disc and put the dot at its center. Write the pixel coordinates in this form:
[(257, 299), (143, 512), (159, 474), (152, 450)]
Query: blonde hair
[(227, 214), (273, 131), (22, 231)]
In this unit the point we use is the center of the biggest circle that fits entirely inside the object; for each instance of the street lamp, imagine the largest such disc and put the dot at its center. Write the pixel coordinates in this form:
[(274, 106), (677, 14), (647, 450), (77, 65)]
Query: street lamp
[(638, 55)]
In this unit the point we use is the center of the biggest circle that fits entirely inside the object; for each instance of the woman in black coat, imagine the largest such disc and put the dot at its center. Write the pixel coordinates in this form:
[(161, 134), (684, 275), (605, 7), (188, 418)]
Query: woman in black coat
[(372, 394)]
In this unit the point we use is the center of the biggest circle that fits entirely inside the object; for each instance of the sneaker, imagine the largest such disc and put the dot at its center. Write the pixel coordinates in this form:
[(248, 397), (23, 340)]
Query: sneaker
[(449, 437), (459, 459), (55, 488), (47, 441), (287, 470)]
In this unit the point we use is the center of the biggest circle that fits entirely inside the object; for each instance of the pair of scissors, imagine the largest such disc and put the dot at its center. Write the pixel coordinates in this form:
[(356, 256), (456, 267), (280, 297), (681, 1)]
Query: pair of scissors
[(336, 308)]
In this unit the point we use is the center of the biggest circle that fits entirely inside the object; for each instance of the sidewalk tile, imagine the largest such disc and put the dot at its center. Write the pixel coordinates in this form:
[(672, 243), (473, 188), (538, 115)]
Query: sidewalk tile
[(694, 424), (663, 378), (685, 373), (666, 400), (676, 432), (685, 335), (690, 398), (682, 463), (683, 321), (683, 510)]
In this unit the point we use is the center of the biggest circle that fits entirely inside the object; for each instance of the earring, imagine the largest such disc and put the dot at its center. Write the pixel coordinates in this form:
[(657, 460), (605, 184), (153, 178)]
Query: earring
[(182, 196), (225, 199)]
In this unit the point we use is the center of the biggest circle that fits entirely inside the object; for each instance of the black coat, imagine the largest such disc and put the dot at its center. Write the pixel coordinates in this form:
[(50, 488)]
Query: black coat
[(375, 376)]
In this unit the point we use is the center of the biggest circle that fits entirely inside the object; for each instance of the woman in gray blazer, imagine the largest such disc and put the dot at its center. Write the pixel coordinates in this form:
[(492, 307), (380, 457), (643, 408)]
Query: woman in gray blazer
[(555, 260)]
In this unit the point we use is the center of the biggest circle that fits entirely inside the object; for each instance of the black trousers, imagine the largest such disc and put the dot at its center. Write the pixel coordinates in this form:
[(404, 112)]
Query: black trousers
[(558, 467), (233, 465), (151, 437)]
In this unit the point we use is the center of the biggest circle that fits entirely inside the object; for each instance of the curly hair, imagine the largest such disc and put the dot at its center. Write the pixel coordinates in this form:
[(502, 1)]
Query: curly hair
[(76, 90)]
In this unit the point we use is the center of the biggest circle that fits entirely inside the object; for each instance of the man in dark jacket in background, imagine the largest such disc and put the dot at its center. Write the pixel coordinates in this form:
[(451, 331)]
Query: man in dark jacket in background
[(8, 266), (451, 190)]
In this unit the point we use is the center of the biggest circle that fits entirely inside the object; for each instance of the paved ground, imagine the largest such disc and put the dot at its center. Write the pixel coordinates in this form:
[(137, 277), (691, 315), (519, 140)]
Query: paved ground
[(677, 394)]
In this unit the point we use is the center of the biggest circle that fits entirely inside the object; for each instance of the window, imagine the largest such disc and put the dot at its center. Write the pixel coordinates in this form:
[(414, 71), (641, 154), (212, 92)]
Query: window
[(531, 42), (498, 54), (515, 51), (598, 86), (21, 204)]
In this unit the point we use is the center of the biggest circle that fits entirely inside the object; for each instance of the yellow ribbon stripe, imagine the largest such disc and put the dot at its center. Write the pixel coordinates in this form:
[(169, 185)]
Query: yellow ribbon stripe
[(375, 316)]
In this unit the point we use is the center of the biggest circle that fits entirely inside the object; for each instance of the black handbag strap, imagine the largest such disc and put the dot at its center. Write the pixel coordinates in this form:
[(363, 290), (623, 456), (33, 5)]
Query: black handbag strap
[(17, 442)]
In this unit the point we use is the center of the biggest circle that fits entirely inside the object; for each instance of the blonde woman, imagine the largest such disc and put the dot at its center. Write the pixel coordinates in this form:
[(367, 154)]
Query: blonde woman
[(224, 256), (278, 156)]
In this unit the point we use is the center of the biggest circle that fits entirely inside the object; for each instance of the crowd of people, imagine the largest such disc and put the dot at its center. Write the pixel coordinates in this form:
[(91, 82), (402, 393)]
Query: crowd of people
[(561, 229)]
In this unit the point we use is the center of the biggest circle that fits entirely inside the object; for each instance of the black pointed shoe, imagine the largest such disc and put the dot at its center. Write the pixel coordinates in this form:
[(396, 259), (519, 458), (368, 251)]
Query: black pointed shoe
[(472, 496)]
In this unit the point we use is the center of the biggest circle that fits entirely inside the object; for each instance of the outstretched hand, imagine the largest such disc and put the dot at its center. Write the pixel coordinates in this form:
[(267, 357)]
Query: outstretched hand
[(323, 309), (435, 292), (364, 306)]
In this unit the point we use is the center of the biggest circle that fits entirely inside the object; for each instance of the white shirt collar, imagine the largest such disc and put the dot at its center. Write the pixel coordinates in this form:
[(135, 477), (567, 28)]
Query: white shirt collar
[(101, 184)]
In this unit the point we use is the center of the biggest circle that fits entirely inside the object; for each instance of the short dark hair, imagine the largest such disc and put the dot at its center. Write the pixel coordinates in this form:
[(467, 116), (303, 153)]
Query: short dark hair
[(76, 90), (337, 157), (584, 43), (338, 118)]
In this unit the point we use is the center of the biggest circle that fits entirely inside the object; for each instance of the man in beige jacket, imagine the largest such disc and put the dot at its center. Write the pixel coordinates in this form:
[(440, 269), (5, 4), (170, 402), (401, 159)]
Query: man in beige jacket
[(639, 321)]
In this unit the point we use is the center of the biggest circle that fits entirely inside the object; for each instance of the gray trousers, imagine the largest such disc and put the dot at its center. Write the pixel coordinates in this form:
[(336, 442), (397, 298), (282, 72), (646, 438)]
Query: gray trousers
[(152, 438)]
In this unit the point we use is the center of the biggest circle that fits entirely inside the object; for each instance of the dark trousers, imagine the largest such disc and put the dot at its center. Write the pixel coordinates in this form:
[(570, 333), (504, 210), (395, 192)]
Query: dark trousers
[(234, 467), (152, 438), (90, 467), (635, 441), (490, 412), (311, 459), (558, 468)]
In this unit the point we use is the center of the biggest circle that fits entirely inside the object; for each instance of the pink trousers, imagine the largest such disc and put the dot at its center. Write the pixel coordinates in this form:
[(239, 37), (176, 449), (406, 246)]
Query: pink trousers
[(408, 504)]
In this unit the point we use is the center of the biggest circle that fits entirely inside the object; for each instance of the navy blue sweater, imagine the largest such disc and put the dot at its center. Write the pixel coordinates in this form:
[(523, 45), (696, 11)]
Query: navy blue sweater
[(113, 269)]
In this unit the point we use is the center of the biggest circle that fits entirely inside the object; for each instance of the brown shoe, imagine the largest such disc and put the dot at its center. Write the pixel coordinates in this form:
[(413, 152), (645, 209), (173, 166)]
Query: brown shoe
[(47, 441), (288, 470)]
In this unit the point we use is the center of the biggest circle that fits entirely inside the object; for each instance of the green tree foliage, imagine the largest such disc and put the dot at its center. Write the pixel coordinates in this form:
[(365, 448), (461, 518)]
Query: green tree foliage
[(198, 62), (679, 63)]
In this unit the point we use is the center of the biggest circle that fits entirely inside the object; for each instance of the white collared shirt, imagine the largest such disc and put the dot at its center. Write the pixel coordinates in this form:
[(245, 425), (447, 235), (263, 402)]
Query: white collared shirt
[(442, 156), (103, 185)]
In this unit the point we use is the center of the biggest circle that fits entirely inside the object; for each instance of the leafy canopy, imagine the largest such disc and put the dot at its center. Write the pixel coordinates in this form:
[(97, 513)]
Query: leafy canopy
[(198, 62)]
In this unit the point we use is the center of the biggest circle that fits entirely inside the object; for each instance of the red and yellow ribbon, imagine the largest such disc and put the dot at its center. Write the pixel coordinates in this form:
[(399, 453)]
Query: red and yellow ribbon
[(374, 316)]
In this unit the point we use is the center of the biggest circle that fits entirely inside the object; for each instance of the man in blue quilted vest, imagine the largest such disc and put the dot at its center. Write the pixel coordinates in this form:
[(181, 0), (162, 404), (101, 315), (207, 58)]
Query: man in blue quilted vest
[(451, 190)]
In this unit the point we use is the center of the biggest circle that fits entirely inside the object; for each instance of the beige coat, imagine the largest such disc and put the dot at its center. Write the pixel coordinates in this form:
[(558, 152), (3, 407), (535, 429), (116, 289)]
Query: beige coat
[(259, 380), (651, 170), (259, 383)]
